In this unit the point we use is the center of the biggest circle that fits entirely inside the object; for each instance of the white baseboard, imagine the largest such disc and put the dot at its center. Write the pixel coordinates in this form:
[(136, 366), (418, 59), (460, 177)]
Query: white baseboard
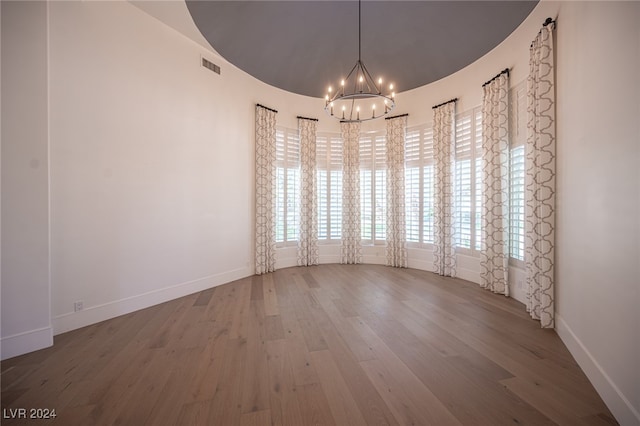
[(516, 284), (517, 294), (468, 275), (420, 264), (286, 263), (29, 341), (94, 314), (329, 259), (621, 407), (373, 260)]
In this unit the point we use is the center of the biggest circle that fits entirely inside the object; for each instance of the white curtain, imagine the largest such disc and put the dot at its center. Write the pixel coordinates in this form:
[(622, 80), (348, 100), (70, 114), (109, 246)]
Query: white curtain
[(308, 233), (494, 256), (444, 258), (396, 232), (540, 179), (351, 250), (265, 249)]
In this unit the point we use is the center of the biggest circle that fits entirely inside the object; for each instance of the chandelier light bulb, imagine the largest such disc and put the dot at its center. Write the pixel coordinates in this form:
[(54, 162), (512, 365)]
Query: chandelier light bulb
[(391, 86), (330, 89), (380, 80), (342, 83), (361, 79)]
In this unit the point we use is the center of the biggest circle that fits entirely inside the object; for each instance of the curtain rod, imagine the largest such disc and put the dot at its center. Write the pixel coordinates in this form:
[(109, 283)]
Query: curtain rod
[(306, 118), (444, 103), (544, 24), (504, 71), (397, 116), (270, 109)]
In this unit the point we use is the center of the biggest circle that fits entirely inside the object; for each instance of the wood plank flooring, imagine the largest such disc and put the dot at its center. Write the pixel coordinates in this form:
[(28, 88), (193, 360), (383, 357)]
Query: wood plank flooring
[(323, 345)]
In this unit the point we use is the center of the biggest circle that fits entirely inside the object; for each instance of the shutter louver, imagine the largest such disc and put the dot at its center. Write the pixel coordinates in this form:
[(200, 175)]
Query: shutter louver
[(462, 186), (412, 185), (428, 187), (518, 130), (287, 185)]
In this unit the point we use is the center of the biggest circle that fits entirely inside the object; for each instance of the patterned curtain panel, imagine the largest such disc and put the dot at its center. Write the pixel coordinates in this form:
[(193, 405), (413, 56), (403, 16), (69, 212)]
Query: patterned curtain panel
[(351, 242), (444, 257), (308, 235), (494, 256), (540, 182), (265, 188), (396, 231)]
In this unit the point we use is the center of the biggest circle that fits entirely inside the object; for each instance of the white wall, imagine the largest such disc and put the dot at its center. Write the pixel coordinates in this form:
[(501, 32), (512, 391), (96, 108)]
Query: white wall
[(598, 233), (143, 192), (26, 317), (151, 162)]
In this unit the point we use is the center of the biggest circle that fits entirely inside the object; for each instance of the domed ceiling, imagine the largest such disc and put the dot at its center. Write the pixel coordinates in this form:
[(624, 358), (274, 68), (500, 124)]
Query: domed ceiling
[(305, 46)]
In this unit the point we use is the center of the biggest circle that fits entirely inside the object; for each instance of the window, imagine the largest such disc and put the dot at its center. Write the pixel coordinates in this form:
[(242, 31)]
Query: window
[(468, 180), (287, 185), (329, 169), (373, 187), (478, 179), (518, 133), (419, 185)]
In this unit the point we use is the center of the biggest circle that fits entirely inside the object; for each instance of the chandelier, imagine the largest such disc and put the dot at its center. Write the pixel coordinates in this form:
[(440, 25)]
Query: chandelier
[(359, 97)]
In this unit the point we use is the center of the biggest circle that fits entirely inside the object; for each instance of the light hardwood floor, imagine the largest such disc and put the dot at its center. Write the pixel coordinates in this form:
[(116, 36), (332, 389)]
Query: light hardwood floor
[(329, 344)]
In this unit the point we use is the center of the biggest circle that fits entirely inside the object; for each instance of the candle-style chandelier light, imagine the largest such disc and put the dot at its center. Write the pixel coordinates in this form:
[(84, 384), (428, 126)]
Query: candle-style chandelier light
[(359, 97)]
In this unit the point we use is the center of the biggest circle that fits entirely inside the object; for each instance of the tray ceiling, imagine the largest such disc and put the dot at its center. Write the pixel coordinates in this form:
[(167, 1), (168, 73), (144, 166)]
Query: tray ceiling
[(304, 46)]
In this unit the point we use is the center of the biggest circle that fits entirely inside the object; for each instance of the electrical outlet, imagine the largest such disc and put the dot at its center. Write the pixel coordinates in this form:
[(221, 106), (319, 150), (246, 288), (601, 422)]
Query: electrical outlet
[(78, 306), (520, 283)]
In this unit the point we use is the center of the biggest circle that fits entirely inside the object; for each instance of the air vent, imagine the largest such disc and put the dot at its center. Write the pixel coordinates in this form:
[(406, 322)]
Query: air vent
[(210, 65)]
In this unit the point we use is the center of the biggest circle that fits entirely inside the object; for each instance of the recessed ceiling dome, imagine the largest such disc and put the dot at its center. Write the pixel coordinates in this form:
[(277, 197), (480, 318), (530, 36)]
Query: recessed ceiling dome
[(304, 46)]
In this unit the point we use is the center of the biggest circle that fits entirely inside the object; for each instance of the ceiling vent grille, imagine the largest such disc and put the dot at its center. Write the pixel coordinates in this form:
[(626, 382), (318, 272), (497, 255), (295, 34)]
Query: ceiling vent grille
[(210, 65)]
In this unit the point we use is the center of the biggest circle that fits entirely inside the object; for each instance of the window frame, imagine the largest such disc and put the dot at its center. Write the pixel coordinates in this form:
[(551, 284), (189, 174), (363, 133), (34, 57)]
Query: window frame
[(517, 139), (419, 156), (329, 164), (378, 184), (474, 157), (288, 161)]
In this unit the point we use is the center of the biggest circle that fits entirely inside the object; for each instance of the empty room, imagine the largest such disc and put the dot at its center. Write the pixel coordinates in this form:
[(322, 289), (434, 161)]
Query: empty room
[(320, 212)]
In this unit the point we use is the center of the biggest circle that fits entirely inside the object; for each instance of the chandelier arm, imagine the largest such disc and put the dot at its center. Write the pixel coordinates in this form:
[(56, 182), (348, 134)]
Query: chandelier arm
[(337, 95), (353, 102), (351, 72), (355, 80), (368, 78)]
